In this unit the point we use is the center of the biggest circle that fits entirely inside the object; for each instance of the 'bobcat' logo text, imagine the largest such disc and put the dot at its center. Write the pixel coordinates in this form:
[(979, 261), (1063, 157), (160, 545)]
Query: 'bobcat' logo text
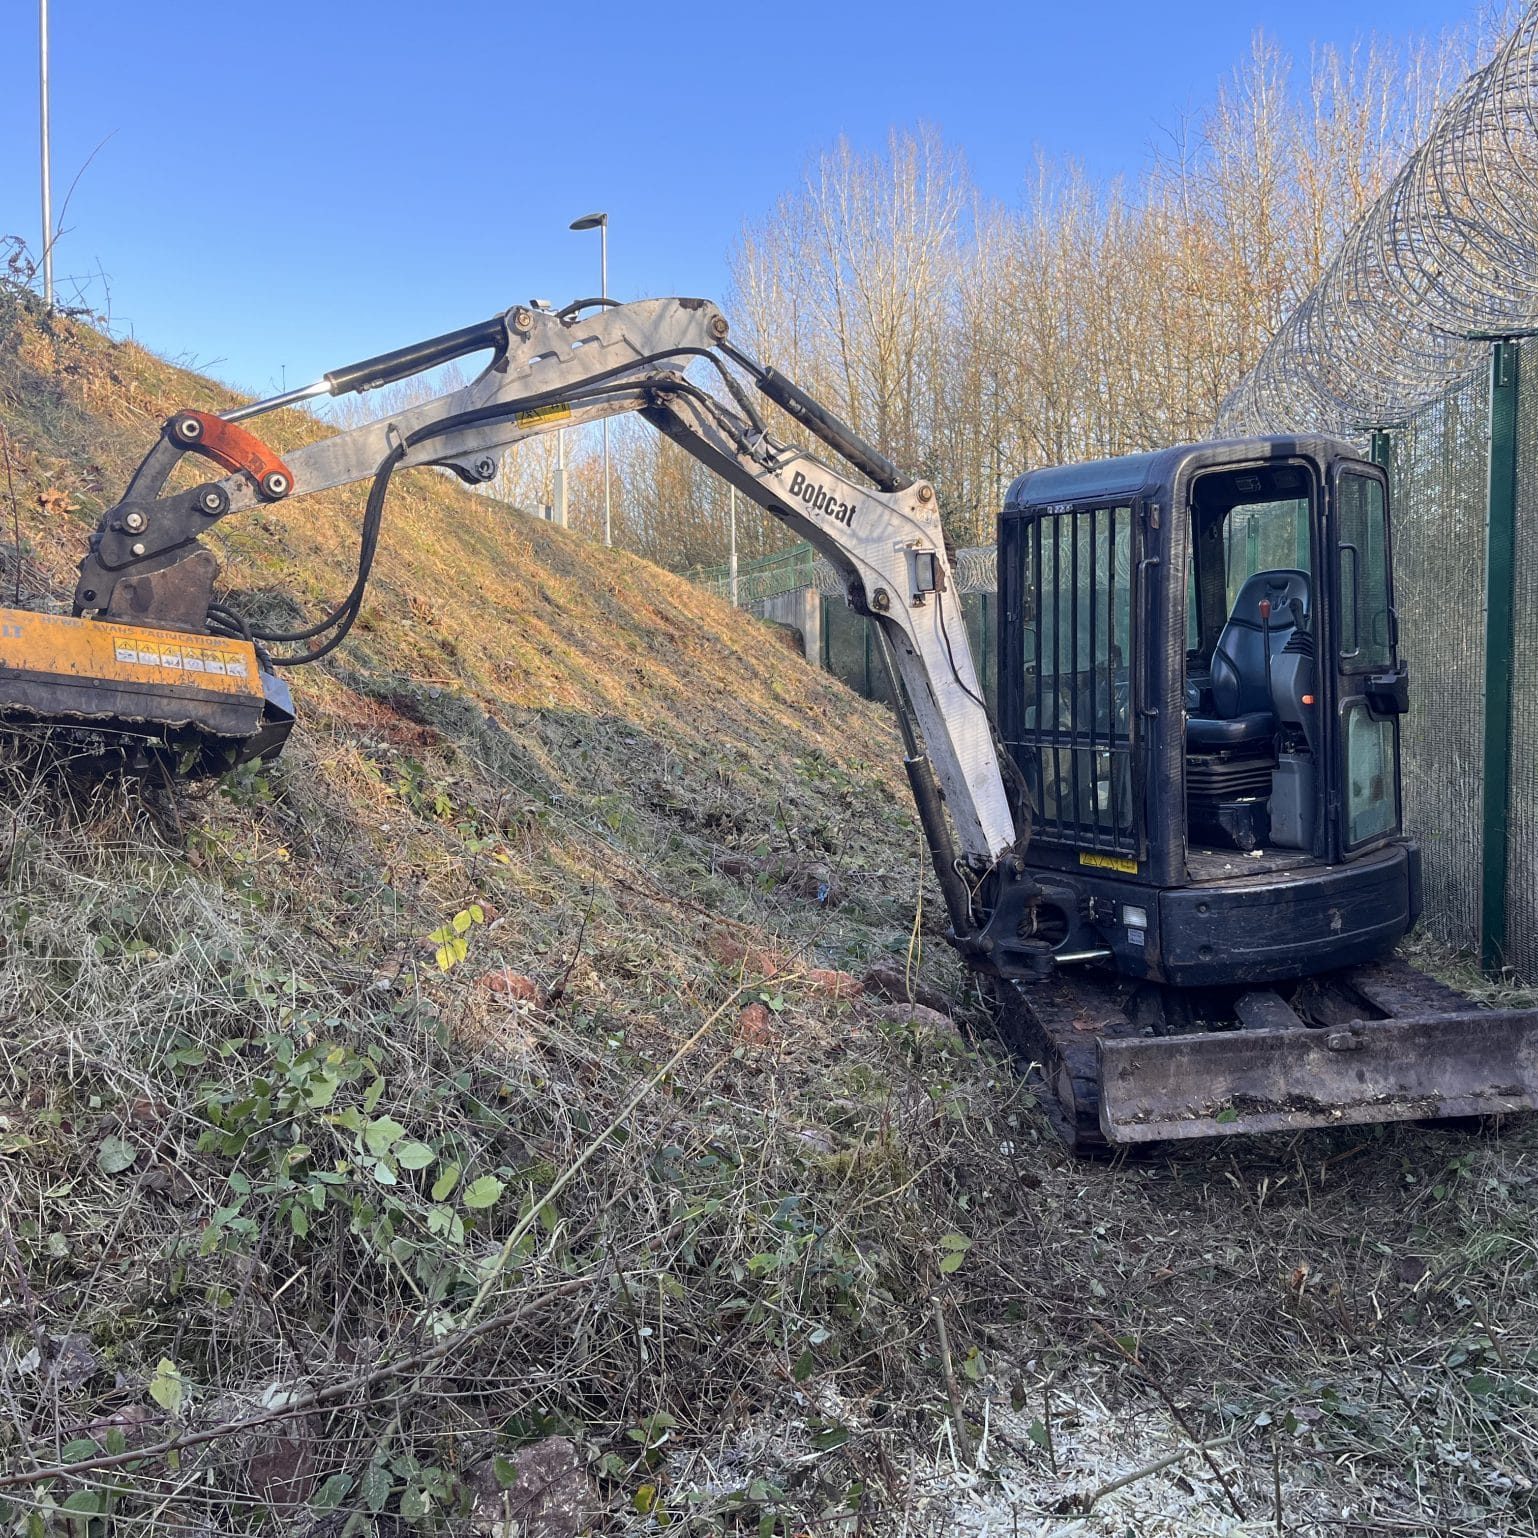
[(818, 499)]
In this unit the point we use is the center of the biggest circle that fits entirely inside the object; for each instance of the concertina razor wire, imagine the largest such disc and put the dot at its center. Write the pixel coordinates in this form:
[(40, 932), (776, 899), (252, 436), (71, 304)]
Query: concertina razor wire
[(1444, 260)]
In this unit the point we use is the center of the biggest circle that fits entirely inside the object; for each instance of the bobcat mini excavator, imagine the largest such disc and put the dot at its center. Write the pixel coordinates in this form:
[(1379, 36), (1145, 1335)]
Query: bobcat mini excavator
[(1178, 863)]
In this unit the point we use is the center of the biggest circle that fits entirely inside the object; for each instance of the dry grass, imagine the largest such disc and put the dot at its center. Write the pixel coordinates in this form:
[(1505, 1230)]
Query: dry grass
[(226, 1043)]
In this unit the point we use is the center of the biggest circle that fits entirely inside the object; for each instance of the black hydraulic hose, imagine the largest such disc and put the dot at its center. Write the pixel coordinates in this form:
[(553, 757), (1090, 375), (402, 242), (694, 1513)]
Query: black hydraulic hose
[(346, 613), (343, 617), (945, 636), (228, 619), (578, 305)]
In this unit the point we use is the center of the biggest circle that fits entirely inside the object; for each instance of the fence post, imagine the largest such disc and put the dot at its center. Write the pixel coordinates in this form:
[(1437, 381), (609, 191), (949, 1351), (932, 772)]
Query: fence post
[(1500, 600)]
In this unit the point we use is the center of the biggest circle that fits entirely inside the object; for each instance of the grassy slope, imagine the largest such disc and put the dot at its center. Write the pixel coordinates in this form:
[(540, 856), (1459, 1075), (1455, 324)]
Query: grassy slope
[(644, 793)]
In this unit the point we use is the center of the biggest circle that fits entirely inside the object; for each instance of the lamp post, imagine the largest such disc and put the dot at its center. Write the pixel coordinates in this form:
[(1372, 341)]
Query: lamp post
[(47, 180), (600, 222)]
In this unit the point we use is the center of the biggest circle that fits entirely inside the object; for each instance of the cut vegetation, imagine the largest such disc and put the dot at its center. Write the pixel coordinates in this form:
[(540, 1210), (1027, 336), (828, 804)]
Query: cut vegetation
[(488, 1120)]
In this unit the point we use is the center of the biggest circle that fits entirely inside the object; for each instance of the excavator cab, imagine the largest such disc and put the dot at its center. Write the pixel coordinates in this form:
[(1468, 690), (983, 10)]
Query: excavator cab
[(1200, 685)]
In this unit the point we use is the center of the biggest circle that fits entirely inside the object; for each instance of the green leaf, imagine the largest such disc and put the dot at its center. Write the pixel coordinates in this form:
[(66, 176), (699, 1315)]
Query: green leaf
[(414, 1156), (506, 1472), (438, 1219), (1038, 1434), (115, 1155), (1226, 1116), (445, 1182), (484, 1192), (88, 1501), (381, 1135), (371, 1095), (78, 1450), (954, 1247), (376, 1487), (383, 1173), (167, 1388), (414, 1504), (321, 1090), (298, 1220), (332, 1493)]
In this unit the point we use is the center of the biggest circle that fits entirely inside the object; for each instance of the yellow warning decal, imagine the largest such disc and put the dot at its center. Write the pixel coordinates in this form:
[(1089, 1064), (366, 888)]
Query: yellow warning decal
[(1109, 862), (541, 414), (104, 652)]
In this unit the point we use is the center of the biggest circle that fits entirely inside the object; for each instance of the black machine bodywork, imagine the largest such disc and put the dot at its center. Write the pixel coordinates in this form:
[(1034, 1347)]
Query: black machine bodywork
[(1200, 685), (1248, 842)]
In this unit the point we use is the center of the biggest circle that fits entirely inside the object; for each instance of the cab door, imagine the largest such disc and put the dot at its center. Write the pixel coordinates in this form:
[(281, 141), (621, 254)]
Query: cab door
[(1370, 685)]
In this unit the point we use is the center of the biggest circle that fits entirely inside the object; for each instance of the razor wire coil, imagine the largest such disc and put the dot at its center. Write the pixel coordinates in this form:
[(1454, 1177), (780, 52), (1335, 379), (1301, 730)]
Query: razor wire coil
[(1447, 255)]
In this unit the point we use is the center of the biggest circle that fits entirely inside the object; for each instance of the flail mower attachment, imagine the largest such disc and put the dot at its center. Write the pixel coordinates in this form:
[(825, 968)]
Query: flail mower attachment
[(116, 694), (141, 671)]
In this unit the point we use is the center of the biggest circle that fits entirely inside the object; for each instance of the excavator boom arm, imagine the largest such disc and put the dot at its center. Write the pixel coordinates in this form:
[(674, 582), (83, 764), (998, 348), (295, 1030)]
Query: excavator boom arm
[(551, 370)]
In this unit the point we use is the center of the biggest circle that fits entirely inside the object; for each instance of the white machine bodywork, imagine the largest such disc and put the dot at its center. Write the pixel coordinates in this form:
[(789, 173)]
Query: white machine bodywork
[(562, 370)]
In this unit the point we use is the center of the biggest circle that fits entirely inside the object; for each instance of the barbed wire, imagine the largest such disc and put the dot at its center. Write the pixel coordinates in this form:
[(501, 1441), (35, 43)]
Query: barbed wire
[(1448, 253)]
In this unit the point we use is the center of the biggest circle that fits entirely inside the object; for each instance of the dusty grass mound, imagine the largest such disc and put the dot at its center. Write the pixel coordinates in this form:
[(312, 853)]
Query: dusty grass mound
[(637, 1211)]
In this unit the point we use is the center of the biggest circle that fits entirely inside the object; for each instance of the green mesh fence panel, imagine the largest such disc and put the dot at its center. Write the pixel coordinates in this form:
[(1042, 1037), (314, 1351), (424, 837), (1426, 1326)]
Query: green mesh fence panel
[(1440, 471), (848, 650), (766, 577), (1522, 824)]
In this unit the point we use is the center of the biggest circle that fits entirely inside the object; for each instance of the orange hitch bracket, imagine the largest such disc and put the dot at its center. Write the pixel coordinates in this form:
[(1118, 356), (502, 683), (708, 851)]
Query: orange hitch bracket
[(235, 449)]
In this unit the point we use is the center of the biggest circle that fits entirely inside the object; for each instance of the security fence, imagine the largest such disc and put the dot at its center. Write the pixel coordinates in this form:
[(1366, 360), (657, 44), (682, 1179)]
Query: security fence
[(1438, 465), (1464, 472), (768, 576)]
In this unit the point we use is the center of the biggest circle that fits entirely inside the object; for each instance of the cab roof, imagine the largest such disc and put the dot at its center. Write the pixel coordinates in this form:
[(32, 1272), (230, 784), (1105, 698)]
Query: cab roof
[(1157, 473)]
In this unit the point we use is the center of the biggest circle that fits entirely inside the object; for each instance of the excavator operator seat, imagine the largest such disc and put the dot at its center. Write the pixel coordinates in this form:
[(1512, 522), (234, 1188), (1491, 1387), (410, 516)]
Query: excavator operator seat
[(1241, 688)]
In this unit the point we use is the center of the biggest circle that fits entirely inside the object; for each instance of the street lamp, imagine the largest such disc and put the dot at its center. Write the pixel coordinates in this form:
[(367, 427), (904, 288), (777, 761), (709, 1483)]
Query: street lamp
[(600, 222), (43, 138)]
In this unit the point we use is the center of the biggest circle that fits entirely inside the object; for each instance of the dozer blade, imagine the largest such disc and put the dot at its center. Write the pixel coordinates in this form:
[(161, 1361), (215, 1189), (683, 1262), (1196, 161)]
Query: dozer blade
[(1468, 1063), (117, 690)]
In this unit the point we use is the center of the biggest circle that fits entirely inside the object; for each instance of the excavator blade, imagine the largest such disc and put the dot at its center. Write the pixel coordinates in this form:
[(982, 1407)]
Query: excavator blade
[(109, 691), (1473, 1062)]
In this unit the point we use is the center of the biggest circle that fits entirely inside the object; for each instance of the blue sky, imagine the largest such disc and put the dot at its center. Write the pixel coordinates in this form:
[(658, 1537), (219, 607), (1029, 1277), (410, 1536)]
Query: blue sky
[(287, 187)]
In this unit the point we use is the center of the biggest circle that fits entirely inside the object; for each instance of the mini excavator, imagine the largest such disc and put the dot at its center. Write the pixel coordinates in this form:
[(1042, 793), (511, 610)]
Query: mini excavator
[(1176, 862)]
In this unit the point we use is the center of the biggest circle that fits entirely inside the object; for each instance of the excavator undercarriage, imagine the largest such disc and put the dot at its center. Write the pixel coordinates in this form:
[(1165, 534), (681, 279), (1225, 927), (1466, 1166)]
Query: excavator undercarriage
[(1159, 1000)]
